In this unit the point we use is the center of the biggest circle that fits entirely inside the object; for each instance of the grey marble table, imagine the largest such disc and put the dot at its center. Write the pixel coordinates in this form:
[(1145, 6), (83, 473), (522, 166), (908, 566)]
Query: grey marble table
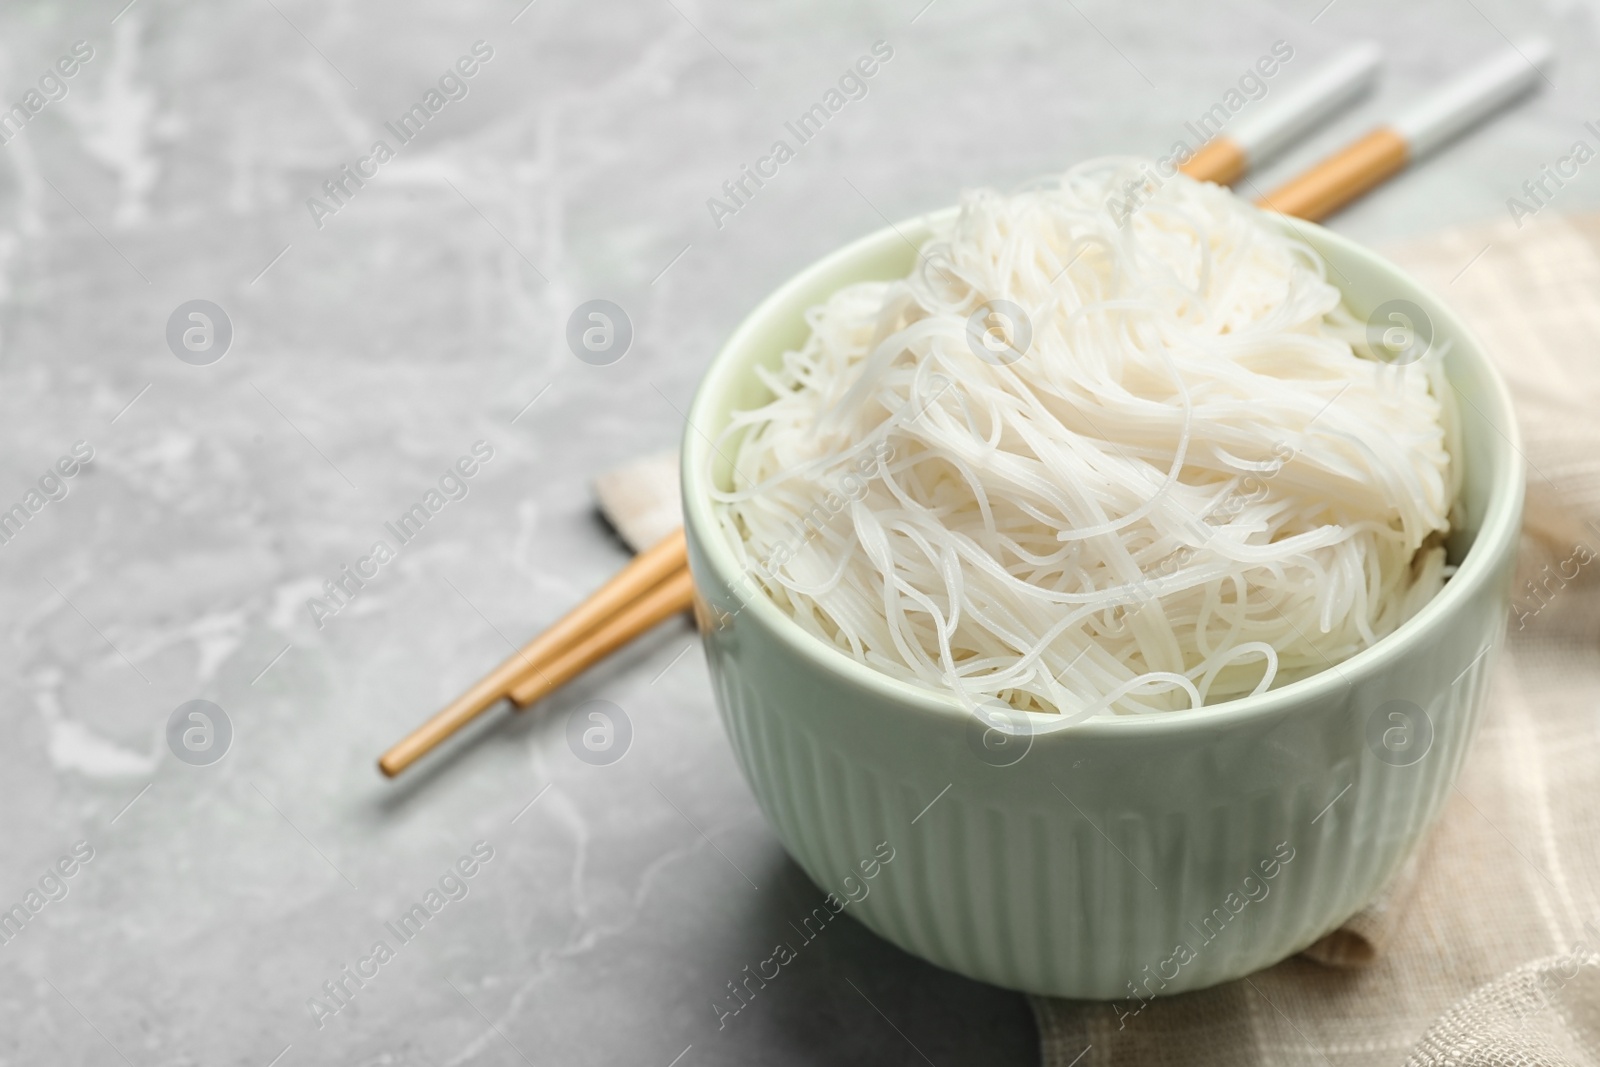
[(371, 335)]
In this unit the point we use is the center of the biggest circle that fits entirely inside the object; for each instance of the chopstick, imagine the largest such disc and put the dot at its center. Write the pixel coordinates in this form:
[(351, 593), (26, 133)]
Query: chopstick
[(673, 595), (657, 584), (1263, 133), (1427, 125), (660, 562)]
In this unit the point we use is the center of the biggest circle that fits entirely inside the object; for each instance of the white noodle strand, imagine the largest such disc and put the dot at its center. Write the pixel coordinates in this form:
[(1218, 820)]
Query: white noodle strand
[(1197, 481)]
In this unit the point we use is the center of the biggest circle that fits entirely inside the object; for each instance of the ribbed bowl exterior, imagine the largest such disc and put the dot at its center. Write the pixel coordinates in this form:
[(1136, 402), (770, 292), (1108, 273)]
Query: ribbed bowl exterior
[(1114, 859), (1080, 869)]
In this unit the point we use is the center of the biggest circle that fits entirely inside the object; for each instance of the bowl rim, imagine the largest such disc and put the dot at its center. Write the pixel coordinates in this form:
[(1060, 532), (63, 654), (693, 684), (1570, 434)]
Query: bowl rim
[(1497, 533)]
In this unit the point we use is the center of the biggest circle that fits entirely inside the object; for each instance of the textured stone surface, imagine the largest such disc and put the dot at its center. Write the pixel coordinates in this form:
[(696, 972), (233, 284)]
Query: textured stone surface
[(369, 354)]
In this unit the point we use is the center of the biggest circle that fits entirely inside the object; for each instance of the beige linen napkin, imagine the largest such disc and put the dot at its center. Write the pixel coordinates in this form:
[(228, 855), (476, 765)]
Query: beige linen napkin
[(1485, 950)]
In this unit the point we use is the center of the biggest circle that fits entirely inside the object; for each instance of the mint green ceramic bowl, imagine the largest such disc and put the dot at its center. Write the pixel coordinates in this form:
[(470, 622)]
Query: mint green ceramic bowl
[(1122, 856)]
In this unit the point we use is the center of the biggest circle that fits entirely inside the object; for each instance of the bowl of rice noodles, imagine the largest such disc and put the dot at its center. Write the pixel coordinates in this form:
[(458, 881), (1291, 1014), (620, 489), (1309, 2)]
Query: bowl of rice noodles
[(1127, 562)]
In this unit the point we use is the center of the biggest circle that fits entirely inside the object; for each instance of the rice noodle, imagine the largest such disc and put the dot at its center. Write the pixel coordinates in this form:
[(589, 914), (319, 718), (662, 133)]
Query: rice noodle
[(1195, 483)]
